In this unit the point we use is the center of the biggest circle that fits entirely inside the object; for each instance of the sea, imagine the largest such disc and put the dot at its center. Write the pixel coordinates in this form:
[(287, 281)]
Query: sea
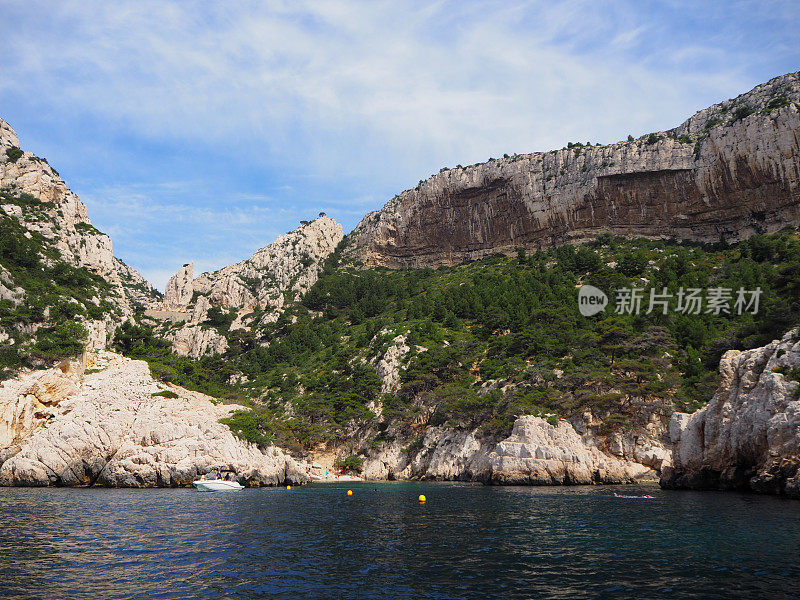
[(465, 541)]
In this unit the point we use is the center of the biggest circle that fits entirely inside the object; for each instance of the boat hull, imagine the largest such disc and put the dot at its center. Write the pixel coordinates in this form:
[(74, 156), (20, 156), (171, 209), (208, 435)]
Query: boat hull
[(217, 485)]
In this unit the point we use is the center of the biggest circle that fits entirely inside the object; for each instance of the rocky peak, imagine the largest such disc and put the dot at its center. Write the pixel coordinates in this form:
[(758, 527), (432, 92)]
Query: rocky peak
[(66, 222), (42, 209), (178, 293), (729, 171), (289, 265), (278, 273), (8, 137)]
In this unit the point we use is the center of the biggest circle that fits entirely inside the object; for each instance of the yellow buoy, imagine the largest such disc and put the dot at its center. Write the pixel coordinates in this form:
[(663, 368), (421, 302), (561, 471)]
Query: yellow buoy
[(422, 498), (349, 492), (288, 487)]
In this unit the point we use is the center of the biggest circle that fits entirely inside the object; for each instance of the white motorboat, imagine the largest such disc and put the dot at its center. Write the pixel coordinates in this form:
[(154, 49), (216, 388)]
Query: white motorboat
[(217, 485)]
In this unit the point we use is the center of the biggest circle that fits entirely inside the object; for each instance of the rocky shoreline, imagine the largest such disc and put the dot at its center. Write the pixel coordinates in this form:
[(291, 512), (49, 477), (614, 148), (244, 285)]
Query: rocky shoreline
[(107, 422), (113, 425), (748, 436)]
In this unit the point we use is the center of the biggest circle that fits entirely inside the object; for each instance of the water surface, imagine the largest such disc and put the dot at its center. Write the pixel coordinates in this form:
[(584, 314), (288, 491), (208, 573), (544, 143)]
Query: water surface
[(467, 541)]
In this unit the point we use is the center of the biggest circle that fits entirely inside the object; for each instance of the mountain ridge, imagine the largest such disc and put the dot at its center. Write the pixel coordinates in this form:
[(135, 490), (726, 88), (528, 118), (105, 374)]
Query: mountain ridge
[(729, 171)]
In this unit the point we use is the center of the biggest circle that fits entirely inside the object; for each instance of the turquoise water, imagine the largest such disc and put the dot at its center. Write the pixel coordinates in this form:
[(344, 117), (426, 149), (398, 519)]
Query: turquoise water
[(467, 541)]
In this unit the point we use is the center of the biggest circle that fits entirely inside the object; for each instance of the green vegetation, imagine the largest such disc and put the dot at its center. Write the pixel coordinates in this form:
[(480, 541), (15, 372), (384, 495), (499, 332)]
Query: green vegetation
[(209, 375), (776, 103), (351, 463), (55, 296), (791, 375), (741, 112), (165, 394), (491, 340), (14, 154)]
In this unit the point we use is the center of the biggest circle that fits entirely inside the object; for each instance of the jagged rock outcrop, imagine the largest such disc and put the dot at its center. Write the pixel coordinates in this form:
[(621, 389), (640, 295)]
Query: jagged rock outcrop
[(197, 341), (64, 221), (536, 453), (539, 453), (64, 427), (389, 365), (29, 402), (278, 273), (289, 265), (748, 436), (443, 454), (8, 290), (178, 293), (728, 172)]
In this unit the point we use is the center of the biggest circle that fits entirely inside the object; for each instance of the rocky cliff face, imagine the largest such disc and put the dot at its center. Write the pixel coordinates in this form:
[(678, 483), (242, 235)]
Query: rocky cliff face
[(288, 266), (256, 288), (748, 436), (106, 427), (178, 293), (536, 453), (70, 228), (729, 171), (49, 208)]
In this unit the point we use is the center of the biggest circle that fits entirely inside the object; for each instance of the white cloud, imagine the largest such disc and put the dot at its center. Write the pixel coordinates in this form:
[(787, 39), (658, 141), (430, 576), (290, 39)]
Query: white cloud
[(361, 97), (330, 82)]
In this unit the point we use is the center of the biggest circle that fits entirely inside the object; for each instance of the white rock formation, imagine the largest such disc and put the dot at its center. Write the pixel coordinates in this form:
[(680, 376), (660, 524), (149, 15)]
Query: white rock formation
[(178, 293), (200, 311), (30, 402), (107, 428), (291, 264), (281, 271), (197, 341), (68, 225), (536, 453), (748, 436), (445, 454), (539, 453), (8, 290), (388, 366)]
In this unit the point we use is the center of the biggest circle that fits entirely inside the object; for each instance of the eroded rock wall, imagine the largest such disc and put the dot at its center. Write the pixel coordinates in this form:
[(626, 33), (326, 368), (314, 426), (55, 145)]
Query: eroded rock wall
[(536, 453), (748, 436), (66, 427), (721, 174)]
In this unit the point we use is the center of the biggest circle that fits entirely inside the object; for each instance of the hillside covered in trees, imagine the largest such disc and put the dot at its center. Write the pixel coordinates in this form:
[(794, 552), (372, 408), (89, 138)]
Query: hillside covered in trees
[(493, 339)]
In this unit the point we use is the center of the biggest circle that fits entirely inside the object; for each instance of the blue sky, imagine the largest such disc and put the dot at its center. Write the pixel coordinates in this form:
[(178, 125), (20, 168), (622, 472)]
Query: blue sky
[(202, 131)]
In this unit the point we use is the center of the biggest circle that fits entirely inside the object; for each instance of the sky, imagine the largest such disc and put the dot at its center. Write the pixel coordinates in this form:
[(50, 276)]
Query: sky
[(202, 131)]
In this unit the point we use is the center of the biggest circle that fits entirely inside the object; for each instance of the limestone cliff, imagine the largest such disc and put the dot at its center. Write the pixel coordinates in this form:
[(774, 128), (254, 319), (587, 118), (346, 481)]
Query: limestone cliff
[(110, 427), (38, 202), (729, 171), (256, 288), (536, 453), (748, 436), (70, 229)]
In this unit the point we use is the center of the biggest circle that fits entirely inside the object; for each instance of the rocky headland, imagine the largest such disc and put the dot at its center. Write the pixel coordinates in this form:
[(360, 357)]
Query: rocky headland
[(748, 436), (113, 425)]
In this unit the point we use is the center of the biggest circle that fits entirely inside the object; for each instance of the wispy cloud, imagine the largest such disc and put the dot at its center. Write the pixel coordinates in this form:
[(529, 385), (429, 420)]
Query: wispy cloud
[(215, 119)]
